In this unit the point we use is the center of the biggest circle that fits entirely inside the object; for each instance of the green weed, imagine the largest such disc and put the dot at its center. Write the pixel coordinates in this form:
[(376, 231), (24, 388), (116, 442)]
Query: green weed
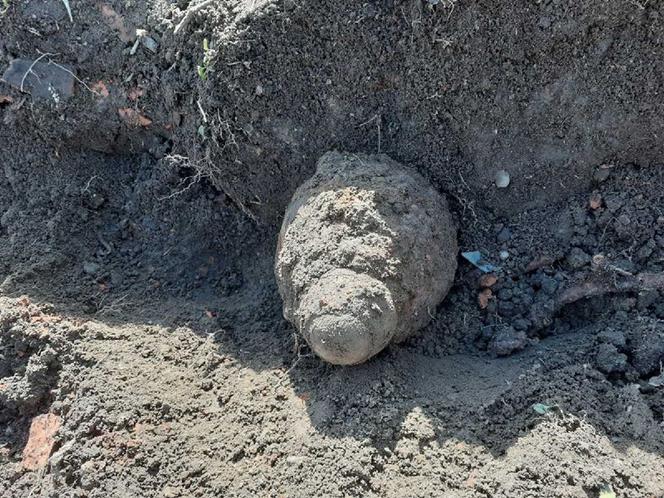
[(202, 69)]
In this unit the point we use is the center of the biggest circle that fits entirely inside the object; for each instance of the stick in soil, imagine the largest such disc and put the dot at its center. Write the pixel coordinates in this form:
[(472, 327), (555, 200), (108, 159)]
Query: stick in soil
[(190, 13), (30, 69), (599, 286)]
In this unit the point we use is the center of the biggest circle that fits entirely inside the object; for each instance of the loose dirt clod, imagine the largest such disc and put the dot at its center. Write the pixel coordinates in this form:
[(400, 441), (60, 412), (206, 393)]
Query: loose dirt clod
[(367, 248)]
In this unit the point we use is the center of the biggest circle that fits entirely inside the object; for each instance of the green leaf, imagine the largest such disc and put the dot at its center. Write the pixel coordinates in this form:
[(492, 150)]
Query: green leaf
[(202, 72), (606, 491), (541, 408), (206, 45)]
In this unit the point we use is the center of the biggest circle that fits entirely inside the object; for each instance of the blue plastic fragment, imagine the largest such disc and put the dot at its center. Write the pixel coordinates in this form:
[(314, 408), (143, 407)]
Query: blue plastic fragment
[(475, 258)]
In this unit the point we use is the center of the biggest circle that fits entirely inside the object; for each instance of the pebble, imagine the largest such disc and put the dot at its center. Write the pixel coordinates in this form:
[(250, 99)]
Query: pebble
[(504, 235), (577, 258), (646, 250), (506, 308), (609, 360), (544, 22), (612, 336), (507, 341), (295, 460), (601, 175), (549, 285), (95, 200), (504, 255), (90, 268), (150, 44), (613, 203), (505, 294), (646, 298), (521, 324), (502, 178), (170, 492)]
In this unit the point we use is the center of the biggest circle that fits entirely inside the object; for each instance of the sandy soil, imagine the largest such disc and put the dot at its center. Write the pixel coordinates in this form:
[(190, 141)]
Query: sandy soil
[(143, 350)]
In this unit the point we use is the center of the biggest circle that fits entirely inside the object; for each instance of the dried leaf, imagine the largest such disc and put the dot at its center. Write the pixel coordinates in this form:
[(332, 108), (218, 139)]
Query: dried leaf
[(135, 93), (595, 201), (101, 89), (133, 118), (484, 297), (117, 22), (488, 280)]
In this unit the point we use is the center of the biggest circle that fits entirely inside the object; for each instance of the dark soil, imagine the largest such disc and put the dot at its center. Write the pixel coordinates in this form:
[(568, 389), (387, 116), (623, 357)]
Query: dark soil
[(139, 217)]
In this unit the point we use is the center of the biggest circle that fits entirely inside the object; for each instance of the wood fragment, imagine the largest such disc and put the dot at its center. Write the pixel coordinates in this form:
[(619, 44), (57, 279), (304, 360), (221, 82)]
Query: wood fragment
[(540, 262), (610, 283), (190, 13)]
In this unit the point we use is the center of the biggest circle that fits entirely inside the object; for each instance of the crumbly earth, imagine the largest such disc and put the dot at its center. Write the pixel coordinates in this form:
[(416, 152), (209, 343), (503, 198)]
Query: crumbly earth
[(366, 250), (139, 303)]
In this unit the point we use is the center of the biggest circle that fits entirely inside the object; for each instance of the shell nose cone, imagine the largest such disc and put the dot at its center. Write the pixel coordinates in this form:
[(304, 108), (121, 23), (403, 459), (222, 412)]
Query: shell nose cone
[(341, 340), (347, 317)]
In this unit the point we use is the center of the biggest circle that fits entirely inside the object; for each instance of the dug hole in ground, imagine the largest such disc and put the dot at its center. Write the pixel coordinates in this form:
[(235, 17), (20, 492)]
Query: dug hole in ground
[(148, 153)]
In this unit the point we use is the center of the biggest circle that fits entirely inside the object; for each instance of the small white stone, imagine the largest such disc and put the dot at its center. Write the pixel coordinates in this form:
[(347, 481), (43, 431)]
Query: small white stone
[(502, 178), (295, 460), (504, 255)]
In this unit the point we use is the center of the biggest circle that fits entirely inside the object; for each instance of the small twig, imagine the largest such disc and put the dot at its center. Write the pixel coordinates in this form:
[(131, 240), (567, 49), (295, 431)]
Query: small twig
[(378, 136), (599, 286), (200, 108), (114, 307), (190, 13), (371, 120), (297, 347), (59, 66), (374, 118), (105, 244), (193, 180), (87, 185), (74, 76), (34, 63)]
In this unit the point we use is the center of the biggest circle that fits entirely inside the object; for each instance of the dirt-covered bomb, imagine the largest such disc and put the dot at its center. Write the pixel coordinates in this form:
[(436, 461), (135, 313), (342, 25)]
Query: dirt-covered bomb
[(366, 252)]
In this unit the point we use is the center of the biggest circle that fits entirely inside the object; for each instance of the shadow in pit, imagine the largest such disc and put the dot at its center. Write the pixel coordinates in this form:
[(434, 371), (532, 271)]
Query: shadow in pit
[(475, 399)]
